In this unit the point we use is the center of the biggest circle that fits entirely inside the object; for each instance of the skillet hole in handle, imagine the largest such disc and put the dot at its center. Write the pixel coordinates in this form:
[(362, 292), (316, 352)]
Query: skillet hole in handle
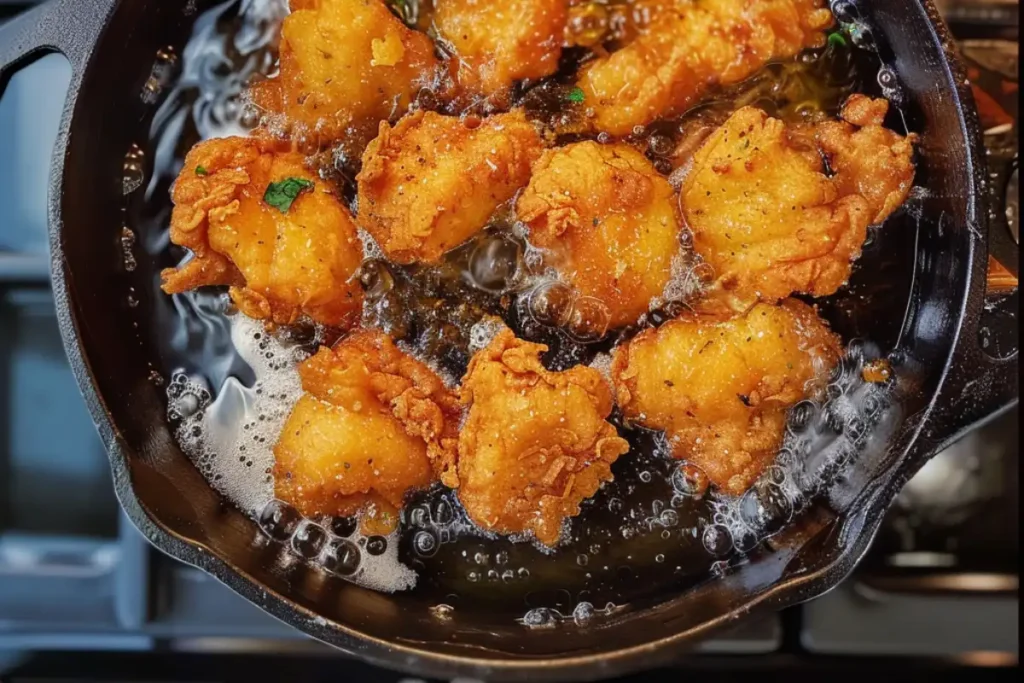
[(999, 325)]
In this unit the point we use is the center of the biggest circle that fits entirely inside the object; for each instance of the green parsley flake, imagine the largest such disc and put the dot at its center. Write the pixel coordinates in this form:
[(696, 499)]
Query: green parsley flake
[(836, 39), (201, 170), (576, 96), (282, 194)]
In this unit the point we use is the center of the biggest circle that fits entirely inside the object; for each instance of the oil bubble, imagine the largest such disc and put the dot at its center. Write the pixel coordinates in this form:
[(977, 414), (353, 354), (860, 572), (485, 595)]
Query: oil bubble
[(494, 264), (341, 557), (376, 545), (540, 618), (801, 415), (278, 520), (308, 539), (765, 507), (717, 540), (583, 613), (660, 145), (550, 304), (442, 612), (425, 543), (588, 320), (376, 278), (690, 480)]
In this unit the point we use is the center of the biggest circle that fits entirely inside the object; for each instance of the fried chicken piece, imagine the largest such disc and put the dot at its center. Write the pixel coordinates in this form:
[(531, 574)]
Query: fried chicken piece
[(768, 219), (431, 182), (496, 44), (691, 48), (720, 388), (344, 66), (280, 264), (868, 159), (535, 443), (610, 222), (373, 424)]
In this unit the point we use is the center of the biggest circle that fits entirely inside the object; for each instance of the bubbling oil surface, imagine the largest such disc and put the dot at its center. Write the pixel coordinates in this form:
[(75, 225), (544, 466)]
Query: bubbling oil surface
[(656, 528)]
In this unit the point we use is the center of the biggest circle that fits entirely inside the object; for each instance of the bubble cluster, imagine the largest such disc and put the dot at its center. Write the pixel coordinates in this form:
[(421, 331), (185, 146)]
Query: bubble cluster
[(554, 304), (161, 74), (232, 436), (690, 480), (690, 278), (483, 332), (186, 398), (231, 440), (823, 441), (133, 171), (434, 523), (583, 614), (370, 562), (127, 241)]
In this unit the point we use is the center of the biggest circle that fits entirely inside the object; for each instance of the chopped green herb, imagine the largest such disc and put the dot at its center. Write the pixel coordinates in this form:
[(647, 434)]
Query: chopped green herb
[(281, 194), (576, 95), (201, 170), (837, 39)]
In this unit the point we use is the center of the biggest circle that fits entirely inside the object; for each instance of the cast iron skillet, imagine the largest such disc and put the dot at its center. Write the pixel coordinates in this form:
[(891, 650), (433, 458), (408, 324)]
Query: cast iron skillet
[(951, 384)]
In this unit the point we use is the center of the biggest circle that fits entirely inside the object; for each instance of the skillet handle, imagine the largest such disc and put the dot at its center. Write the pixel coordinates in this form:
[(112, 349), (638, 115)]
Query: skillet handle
[(68, 27), (984, 378)]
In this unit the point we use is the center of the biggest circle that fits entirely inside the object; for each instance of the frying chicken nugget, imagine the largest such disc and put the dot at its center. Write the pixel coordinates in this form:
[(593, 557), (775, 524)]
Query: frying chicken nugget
[(768, 219), (296, 257), (691, 48), (535, 443), (610, 222), (431, 182), (496, 44), (868, 159), (720, 388), (373, 424), (344, 66)]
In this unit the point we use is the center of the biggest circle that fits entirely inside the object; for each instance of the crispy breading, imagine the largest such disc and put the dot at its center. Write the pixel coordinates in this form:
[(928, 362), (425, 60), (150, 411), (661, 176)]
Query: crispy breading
[(373, 424), (692, 47), (720, 387), (431, 182), (279, 264), (345, 65), (496, 44), (868, 159), (609, 221), (535, 443), (770, 221)]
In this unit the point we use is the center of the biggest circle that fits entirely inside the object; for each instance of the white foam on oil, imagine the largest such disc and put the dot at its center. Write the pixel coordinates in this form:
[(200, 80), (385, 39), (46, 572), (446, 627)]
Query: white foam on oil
[(483, 333), (371, 250), (602, 362), (827, 441), (231, 439), (688, 278)]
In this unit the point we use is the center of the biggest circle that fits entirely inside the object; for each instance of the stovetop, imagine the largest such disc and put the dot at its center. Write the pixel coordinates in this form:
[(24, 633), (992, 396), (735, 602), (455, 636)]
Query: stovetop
[(938, 589)]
